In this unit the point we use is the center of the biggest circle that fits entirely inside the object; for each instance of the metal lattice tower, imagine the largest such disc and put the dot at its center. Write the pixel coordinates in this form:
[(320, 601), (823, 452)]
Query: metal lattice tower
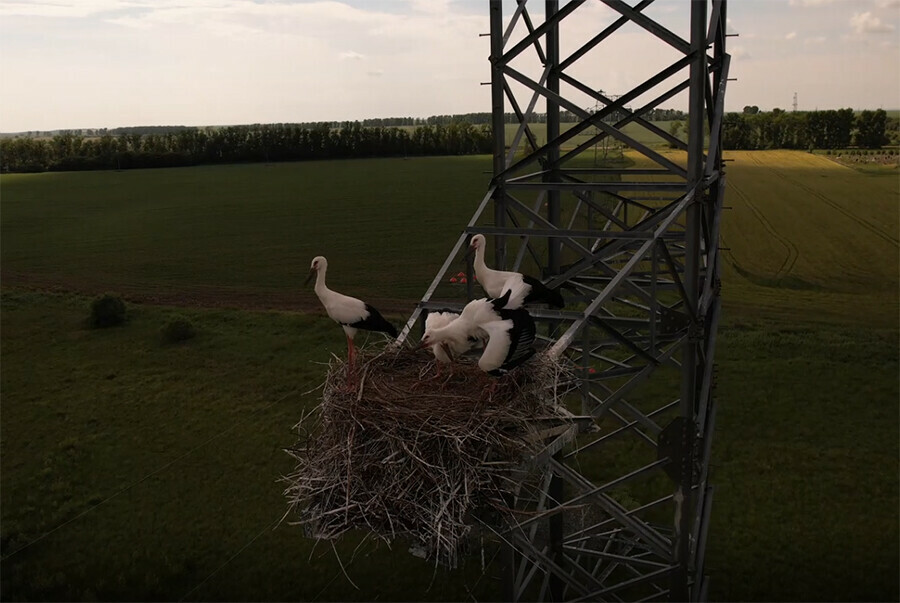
[(618, 502)]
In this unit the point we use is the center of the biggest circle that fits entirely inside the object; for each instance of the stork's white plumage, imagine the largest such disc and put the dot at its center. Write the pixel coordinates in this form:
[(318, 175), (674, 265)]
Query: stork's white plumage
[(439, 320), (510, 341), (495, 282), (461, 333), (510, 333), (351, 313)]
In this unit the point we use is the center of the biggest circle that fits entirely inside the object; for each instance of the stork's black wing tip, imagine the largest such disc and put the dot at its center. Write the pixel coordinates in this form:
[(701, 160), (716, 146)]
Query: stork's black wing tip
[(556, 299), (500, 302), (376, 322)]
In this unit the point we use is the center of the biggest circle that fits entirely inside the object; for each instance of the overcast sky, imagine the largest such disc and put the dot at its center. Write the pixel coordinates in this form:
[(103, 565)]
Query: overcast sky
[(109, 63)]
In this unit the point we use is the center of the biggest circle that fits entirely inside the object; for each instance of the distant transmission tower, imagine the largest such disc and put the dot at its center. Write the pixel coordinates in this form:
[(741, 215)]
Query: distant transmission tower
[(795, 102), (611, 118)]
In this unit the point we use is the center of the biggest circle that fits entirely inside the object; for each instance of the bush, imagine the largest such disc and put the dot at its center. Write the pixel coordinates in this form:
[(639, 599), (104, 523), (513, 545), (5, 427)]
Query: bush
[(178, 329), (107, 311)]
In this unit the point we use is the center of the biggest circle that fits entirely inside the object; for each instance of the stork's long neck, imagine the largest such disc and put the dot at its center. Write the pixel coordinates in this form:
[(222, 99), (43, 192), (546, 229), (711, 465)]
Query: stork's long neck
[(480, 266), (321, 289), (456, 330)]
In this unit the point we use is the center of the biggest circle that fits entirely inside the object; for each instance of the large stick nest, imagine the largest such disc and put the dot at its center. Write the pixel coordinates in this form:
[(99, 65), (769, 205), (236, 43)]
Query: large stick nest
[(398, 451)]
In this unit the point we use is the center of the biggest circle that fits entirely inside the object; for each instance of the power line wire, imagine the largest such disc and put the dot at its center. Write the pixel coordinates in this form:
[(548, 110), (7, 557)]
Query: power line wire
[(230, 559), (149, 475)]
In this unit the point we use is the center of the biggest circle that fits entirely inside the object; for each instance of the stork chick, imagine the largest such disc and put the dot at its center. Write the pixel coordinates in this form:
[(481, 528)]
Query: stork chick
[(455, 342), (461, 333)]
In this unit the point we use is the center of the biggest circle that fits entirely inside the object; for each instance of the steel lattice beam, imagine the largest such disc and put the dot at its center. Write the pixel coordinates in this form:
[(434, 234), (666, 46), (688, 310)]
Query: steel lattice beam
[(617, 502)]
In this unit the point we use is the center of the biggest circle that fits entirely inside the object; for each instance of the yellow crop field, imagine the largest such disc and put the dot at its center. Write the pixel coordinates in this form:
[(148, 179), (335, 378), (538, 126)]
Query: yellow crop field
[(805, 236), (810, 233)]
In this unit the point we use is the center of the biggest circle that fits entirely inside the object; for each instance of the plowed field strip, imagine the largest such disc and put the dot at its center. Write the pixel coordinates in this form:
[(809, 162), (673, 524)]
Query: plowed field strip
[(792, 252), (828, 201)]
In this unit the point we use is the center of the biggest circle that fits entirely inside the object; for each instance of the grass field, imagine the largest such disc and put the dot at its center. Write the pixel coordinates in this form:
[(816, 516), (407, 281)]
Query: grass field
[(132, 469), (636, 131), (224, 232)]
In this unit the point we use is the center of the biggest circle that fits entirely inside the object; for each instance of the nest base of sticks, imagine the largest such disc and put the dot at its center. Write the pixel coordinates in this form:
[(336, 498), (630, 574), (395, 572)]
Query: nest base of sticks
[(404, 451)]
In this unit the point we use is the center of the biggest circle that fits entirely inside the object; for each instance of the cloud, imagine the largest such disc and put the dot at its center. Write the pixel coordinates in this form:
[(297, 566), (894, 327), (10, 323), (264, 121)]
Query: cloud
[(351, 55), (739, 52), (375, 73), (729, 26), (811, 2), (732, 30), (865, 23), (86, 8), (791, 35), (432, 7), (133, 22), (815, 40), (62, 9)]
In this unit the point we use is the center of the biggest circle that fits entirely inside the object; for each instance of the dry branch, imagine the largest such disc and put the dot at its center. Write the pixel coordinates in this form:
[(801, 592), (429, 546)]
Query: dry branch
[(396, 450)]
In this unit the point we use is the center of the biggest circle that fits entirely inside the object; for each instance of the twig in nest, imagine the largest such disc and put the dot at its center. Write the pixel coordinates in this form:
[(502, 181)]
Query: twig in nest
[(396, 459)]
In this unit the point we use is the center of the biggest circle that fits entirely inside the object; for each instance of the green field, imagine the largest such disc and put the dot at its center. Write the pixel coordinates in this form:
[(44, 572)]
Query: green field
[(230, 233), (635, 131), (134, 469)]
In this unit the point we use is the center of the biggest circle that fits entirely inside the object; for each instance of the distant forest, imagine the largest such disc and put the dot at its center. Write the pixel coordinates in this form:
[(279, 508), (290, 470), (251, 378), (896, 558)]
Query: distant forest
[(183, 146), (383, 122), (832, 129), (175, 146)]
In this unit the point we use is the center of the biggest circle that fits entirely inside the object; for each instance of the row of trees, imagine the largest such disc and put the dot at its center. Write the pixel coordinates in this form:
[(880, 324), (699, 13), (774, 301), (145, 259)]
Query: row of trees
[(183, 146), (833, 129), (380, 122), (278, 142)]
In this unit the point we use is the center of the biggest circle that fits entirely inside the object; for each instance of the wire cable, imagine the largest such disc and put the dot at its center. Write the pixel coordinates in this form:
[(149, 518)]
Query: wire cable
[(230, 559), (149, 475)]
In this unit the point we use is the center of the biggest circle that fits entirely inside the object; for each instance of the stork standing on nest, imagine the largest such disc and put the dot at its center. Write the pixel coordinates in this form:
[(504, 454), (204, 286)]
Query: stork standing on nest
[(494, 281), (351, 313)]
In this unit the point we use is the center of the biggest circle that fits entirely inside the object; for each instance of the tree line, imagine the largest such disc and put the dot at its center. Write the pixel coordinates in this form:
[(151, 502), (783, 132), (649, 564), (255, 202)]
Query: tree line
[(832, 129), (481, 118), (236, 144), (509, 118), (174, 146)]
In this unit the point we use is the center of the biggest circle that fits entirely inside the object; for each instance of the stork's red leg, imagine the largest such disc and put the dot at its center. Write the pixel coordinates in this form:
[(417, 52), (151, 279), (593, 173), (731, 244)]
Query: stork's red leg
[(351, 362), (351, 352)]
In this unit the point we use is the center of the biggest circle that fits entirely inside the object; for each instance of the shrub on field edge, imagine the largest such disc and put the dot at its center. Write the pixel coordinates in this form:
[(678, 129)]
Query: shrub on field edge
[(177, 329), (108, 310)]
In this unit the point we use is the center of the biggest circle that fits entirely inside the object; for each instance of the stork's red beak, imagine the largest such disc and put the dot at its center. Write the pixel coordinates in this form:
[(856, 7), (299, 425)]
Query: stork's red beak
[(423, 344), (312, 273)]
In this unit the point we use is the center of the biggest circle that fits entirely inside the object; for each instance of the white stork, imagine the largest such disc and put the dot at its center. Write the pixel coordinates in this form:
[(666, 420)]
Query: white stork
[(351, 313), (463, 331), (510, 332), (447, 349), (510, 341), (459, 333), (494, 281)]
